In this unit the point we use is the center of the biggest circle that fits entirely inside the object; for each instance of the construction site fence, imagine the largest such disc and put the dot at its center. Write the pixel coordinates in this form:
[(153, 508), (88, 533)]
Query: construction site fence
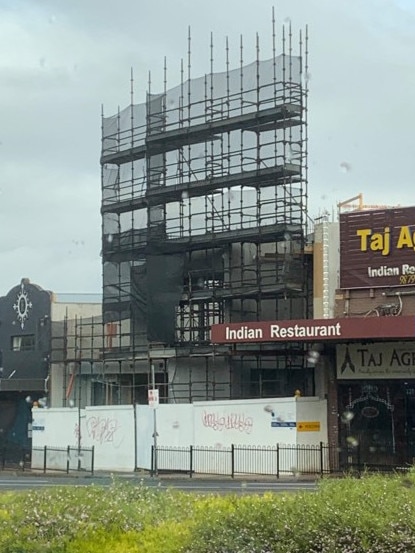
[(279, 460), (63, 459)]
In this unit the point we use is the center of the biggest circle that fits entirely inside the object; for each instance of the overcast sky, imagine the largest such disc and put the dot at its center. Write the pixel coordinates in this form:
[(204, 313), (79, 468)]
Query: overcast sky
[(62, 59)]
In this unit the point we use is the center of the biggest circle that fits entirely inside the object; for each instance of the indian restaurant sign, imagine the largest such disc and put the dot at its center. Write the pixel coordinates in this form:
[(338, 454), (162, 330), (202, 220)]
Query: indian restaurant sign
[(377, 248)]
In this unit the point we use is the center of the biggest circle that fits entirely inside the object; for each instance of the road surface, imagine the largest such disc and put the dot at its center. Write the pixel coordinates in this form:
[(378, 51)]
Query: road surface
[(25, 481)]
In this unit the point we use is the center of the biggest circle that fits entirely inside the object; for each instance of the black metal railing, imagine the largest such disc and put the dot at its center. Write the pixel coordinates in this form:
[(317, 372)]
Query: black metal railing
[(279, 460), (237, 460), (63, 459), (13, 456)]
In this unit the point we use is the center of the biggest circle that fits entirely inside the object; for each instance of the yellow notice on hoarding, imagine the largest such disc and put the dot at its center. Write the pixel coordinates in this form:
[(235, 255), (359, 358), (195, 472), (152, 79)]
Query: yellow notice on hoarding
[(313, 426)]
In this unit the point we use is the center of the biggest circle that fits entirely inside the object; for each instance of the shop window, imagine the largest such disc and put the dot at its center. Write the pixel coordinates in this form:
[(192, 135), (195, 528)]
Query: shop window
[(23, 343)]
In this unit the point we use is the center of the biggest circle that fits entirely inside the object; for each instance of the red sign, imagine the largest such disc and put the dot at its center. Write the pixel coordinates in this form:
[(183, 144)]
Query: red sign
[(314, 330), (153, 398), (377, 248)]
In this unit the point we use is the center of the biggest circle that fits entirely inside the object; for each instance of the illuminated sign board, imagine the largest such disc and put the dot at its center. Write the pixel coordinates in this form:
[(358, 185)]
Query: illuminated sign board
[(377, 248), (391, 360)]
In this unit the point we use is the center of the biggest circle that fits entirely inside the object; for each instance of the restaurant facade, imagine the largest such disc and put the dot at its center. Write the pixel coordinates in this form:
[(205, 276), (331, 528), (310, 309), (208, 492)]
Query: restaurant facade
[(362, 358)]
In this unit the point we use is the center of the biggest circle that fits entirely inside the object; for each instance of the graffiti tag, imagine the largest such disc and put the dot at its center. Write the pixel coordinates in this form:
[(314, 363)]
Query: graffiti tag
[(233, 421), (102, 430)]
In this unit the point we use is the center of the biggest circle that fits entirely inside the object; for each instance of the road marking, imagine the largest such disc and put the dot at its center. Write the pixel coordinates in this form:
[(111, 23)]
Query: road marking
[(277, 484), (13, 481)]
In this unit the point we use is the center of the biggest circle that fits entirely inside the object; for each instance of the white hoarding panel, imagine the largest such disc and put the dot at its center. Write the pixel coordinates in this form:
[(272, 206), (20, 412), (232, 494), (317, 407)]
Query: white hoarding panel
[(122, 440), (111, 431), (311, 420), (55, 427), (174, 429), (245, 422)]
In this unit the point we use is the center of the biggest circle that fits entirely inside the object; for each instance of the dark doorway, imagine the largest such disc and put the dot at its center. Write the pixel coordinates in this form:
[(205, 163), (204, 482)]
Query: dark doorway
[(377, 423)]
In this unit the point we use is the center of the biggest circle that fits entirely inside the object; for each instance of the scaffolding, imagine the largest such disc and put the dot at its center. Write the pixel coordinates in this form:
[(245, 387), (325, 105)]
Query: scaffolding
[(204, 212), (80, 377)]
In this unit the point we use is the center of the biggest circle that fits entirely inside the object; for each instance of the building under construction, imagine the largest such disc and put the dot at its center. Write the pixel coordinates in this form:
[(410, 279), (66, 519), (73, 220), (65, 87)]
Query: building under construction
[(204, 210)]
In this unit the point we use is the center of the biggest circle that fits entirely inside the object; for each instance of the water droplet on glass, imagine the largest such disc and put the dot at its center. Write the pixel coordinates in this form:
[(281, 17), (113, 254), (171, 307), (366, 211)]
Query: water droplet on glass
[(185, 195), (287, 21), (313, 357), (347, 416), (244, 484), (352, 441), (345, 167), (268, 409), (110, 238), (175, 424), (52, 19), (42, 62), (71, 403), (306, 78), (296, 472), (372, 449)]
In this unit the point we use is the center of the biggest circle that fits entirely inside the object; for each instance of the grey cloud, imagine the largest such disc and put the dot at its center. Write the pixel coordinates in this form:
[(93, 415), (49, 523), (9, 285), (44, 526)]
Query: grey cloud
[(66, 58)]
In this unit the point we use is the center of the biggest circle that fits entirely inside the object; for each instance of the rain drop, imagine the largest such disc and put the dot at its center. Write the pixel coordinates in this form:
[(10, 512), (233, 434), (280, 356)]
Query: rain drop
[(347, 416), (306, 78), (345, 167), (352, 441)]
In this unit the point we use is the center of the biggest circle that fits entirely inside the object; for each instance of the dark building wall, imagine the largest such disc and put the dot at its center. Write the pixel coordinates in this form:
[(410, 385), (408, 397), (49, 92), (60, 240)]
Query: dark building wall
[(25, 337), (375, 302)]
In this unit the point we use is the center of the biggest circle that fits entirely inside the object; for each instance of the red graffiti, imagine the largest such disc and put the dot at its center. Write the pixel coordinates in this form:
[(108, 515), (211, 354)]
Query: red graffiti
[(233, 421)]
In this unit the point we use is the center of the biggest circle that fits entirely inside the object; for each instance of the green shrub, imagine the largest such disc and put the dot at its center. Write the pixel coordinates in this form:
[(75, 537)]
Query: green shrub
[(373, 514)]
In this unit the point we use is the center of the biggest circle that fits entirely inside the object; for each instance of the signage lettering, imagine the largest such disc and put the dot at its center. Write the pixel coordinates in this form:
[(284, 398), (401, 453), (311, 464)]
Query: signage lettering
[(381, 241), (406, 239), (243, 333), (377, 242), (298, 331), (310, 330), (395, 360), (377, 248)]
